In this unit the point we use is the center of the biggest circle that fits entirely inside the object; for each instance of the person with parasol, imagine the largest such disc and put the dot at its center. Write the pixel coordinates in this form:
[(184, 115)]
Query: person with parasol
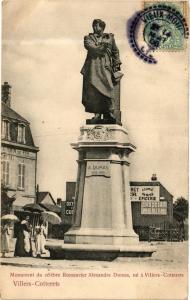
[(6, 232), (5, 238), (40, 238)]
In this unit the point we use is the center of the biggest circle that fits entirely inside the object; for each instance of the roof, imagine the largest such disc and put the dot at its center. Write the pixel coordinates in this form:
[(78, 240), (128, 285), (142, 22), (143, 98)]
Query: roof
[(51, 207), (55, 208), (8, 112), (142, 183), (14, 119), (41, 196)]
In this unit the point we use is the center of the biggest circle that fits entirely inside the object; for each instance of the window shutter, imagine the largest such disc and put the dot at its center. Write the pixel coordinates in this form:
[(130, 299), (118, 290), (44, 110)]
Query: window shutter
[(23, 176), (7, 172)]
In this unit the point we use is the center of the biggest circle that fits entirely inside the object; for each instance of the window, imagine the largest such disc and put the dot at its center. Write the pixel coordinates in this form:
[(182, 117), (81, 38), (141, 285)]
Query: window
[(21, 134), (21, 176), (5, 130), (5, 168)]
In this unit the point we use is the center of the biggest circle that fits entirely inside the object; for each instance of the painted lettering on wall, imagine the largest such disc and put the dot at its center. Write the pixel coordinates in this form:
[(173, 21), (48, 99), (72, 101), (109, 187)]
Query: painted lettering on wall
[(69, 208), (145, 193)]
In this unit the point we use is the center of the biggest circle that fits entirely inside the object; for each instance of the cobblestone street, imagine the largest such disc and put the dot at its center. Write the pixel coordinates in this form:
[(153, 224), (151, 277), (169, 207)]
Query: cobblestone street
[(168, 256)]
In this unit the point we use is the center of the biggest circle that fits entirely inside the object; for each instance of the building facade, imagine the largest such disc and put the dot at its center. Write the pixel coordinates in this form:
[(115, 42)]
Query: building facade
[(18, 154), (152, 205)]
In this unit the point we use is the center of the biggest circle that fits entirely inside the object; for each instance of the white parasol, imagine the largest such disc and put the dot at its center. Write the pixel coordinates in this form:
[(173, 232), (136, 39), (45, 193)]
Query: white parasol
[(10, 217), (51, 217)]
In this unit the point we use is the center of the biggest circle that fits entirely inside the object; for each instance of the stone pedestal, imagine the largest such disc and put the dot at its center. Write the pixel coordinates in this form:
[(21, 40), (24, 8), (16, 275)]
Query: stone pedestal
[(102, 217), (102, 202)]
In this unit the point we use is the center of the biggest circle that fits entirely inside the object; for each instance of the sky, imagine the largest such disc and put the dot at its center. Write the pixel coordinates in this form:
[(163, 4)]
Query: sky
[(42, 55)]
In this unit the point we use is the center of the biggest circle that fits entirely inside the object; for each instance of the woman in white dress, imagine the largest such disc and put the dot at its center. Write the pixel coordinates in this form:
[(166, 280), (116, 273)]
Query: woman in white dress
[(5, 239), (40, 239)]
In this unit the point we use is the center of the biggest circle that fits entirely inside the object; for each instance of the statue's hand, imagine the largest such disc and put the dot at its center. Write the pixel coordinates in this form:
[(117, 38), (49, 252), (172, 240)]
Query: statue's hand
[(105, 44)]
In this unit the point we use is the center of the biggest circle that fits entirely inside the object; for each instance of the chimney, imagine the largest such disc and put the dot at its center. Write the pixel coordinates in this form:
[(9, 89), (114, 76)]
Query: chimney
[(6, 93), (154, 177), (59, 201)]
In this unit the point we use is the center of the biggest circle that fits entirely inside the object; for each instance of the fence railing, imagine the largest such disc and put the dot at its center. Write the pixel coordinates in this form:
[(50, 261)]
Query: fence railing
[(157, 234)]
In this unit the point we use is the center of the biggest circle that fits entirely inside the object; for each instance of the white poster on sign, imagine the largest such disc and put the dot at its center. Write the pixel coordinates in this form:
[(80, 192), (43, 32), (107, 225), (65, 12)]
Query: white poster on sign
[(153, 208), (145, 193)]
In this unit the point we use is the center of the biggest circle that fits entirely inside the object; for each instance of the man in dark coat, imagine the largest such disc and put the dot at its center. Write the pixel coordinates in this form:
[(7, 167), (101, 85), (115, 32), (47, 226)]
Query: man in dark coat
[(101, 63)]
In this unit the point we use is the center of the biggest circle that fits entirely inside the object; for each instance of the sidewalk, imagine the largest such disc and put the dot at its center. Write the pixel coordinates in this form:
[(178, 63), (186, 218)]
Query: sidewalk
[(34, 262)]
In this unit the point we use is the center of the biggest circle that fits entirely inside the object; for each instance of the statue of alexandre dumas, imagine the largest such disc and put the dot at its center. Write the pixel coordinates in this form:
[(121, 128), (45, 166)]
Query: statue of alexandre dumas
[(100, 73)]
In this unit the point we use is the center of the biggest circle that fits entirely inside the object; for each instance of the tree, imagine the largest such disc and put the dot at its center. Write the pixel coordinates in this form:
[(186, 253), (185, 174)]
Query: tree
[(180, 209), (180, 213), (6, 201)]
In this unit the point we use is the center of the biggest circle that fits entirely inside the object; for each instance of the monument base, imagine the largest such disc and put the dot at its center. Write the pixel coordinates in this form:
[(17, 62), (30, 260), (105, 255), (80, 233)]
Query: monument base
[(101, 236), (102, 221)]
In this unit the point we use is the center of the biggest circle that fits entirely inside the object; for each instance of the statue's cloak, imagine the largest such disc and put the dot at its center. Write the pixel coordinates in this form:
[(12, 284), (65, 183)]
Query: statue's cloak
[(98, 72)]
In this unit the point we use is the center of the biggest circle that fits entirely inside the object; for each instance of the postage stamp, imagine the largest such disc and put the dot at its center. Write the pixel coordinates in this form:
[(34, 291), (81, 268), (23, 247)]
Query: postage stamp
[(158, 27)]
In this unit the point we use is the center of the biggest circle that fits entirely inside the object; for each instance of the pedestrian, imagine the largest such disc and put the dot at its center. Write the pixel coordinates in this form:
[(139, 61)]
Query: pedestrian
[(40, 238), (5, 239), (23, 247)]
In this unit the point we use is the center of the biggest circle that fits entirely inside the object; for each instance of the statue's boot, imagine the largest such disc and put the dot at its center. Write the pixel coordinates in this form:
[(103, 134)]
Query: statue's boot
[(110, 117), (97, 117)]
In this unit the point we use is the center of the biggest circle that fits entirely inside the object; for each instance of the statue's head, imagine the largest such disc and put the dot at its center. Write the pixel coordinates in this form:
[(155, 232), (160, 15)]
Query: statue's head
[(98, 26)]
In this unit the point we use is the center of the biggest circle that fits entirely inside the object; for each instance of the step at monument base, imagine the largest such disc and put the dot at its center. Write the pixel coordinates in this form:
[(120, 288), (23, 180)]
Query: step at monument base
[(97, 252)]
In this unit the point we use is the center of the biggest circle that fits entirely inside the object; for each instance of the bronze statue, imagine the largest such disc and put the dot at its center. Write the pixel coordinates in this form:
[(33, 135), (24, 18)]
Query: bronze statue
[(100, 73)]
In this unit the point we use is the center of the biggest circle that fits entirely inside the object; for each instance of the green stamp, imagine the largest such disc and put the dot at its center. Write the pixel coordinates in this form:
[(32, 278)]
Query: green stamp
[(162, 30), (163, 35)]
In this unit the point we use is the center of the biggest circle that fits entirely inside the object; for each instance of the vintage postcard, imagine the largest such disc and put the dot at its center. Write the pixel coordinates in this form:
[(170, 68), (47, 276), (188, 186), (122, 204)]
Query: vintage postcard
[(94, 149)]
